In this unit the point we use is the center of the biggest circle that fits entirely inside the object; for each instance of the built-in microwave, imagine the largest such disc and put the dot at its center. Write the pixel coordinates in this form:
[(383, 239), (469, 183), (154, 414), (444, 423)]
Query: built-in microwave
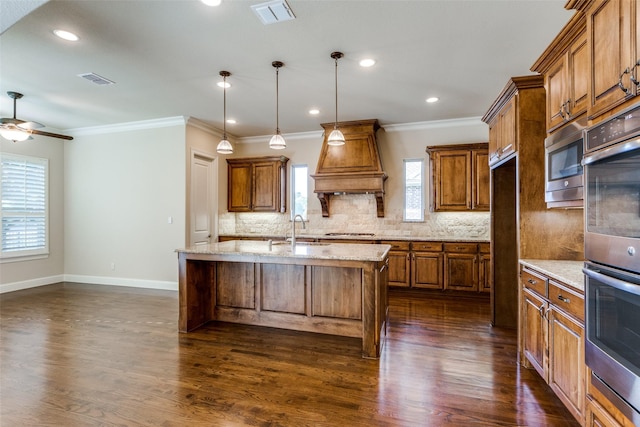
[(563, 168)]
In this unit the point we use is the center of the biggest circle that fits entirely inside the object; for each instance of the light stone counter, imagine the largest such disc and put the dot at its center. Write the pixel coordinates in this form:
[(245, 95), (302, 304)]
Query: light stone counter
[(306, 250), (569, 272)]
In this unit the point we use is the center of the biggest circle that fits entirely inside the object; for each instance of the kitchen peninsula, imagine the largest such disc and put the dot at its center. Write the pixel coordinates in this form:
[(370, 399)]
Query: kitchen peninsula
[(330, 288)]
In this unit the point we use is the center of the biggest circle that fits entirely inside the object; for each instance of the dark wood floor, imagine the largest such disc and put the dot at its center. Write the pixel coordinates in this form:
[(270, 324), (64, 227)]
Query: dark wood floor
[(87, 355)]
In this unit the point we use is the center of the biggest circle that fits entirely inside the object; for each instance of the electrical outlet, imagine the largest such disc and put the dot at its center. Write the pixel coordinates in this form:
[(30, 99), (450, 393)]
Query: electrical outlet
[(113, 266)]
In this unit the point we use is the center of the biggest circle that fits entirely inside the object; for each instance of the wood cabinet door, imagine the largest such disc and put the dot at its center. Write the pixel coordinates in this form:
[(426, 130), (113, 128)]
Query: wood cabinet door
[(508, 139), (534, 332), (566, 361), (578, 59), (598, 417), (399, 269), (452, 180), (484, 273), (239, 190), (481, 195), (265, 194), (426, 270), (494, 137), (610, 39), (557, 93), (460, 271)]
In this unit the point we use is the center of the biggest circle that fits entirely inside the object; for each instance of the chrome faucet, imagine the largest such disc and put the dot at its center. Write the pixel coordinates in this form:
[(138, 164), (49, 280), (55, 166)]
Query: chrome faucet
[(293, 228)]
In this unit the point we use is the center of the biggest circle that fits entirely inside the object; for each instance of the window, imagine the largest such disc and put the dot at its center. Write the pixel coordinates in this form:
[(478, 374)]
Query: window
[(299, 191), (24, 206), (414, 190)]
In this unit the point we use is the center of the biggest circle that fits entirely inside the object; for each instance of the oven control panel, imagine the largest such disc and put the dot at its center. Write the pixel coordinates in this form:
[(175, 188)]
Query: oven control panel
[(623, 126)]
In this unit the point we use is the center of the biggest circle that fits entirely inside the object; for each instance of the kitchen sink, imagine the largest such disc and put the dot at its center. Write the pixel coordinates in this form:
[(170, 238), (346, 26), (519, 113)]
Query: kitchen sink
[(349, 234), (280, 243)]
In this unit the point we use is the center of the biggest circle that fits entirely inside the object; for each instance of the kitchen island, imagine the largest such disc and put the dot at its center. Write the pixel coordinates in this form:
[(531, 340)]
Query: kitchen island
[(330, 288)]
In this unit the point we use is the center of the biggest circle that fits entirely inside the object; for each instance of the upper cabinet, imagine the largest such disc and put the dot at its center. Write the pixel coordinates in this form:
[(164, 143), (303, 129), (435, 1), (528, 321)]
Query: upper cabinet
[(513, 117), (564, 65), (257, 184), (613, 47), (459, 177)]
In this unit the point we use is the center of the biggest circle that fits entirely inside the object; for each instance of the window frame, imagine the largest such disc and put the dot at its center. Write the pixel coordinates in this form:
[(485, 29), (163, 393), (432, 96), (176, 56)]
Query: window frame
[(305, 213), (405, 186), (26, 254)]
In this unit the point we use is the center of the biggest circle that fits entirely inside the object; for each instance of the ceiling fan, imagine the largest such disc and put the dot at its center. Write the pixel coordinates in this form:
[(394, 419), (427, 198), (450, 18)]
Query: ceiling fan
[(15, 129)]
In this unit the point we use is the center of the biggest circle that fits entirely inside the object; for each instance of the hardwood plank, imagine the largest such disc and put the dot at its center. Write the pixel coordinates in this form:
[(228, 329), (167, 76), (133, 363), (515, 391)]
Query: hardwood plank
[(89, 355)]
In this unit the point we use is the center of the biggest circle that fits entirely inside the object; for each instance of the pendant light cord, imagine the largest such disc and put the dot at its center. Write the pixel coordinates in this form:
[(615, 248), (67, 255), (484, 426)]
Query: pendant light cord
[(277, 103), (335, 125), (224, 109)]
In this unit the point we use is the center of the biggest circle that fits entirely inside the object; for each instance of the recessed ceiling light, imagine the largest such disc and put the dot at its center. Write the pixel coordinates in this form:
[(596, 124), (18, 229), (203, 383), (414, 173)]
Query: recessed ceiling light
[(66, 35), (367, 62), (314, 111), (223, 84), (212, 2), (433, 99), (231, 121)]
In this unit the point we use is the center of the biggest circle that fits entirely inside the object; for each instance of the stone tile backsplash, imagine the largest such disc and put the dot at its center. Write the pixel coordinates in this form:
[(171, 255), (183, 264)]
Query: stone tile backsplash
[(357, 214)]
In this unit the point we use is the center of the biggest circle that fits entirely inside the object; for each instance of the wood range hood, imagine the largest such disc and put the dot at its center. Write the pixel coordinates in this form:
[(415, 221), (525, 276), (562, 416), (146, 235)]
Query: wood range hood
[(352, 168)]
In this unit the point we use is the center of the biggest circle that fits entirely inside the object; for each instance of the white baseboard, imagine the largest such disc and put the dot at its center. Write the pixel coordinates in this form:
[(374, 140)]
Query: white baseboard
[(33, 283), (93, 280), (122, 281)]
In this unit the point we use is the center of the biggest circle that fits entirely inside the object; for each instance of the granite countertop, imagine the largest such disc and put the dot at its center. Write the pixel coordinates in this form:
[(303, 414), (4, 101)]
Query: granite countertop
[(366, 236), (569, 272), (311, 250)]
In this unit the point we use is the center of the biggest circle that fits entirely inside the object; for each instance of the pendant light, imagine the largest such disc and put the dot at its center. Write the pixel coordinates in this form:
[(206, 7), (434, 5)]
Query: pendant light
[(336, 137), (224, 146), (277, 141)]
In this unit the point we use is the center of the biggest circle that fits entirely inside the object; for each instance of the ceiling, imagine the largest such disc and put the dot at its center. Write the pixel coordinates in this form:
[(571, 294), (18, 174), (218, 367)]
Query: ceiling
[(165, 57)]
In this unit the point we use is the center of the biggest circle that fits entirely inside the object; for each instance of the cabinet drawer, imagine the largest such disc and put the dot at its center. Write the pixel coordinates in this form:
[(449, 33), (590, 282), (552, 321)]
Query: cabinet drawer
[(427, 246), (396, 245), (566, 299), (463, 248), (484, 248), (534, 281)]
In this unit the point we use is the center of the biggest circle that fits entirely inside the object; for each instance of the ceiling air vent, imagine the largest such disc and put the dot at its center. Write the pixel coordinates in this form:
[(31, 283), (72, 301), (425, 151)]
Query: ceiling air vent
[(94, 78), (273, 11)]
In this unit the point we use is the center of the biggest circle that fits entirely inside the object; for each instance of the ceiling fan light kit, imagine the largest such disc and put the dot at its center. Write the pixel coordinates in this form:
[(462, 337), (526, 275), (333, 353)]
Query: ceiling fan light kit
[(16, 130)]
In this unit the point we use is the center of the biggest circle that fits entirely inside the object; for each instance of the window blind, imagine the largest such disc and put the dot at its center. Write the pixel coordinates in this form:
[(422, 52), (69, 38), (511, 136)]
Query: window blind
[(24, 212)]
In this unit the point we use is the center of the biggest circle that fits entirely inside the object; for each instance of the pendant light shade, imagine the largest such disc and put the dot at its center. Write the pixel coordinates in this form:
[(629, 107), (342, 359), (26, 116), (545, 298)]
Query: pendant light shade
[(224, 146), (277, 142), (336, 137), (14, 133)]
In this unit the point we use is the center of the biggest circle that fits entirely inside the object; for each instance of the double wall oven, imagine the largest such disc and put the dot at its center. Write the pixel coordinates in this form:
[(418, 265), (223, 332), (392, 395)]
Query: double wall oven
[(612, 249)]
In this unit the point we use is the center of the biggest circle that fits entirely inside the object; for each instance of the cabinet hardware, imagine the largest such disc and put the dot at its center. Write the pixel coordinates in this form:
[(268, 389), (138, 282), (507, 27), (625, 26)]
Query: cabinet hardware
[(532, 282), (633, 78), (564, 299), (561, 111), (626, 90)]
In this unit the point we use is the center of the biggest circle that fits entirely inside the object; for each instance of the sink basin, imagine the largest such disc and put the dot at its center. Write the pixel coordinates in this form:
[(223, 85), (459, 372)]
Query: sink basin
[(349, 234), (279, 243), (312, 244)]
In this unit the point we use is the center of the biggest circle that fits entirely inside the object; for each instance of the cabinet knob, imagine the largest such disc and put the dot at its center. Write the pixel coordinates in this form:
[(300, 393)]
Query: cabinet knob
[(564, 299), (532, 282)]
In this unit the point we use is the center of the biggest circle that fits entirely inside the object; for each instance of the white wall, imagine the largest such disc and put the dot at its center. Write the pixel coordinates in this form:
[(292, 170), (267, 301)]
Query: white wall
[(25, 274), (120, 190)]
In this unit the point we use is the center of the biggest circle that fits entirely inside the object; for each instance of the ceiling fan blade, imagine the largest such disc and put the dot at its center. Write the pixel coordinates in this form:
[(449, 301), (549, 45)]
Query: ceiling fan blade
[(30, 125), (53, 135)]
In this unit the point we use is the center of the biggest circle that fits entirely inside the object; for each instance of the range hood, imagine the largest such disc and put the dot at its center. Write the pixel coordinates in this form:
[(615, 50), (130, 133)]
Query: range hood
[(352, 168)]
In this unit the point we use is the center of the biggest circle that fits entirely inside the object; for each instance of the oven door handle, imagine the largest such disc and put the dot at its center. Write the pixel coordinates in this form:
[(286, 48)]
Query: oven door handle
[(613, 282), (611, 151)]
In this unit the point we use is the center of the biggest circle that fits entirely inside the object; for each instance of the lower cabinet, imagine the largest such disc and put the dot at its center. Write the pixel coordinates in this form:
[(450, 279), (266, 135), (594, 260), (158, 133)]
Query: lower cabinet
[(437, 265), (552, 337)]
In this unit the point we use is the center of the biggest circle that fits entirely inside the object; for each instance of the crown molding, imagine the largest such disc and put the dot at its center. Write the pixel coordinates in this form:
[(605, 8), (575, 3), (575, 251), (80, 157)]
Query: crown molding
[(130, 126), (433, 124)]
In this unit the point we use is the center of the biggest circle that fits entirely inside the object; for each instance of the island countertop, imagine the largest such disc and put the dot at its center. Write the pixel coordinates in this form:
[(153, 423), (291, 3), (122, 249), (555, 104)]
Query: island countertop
[(305, 250)]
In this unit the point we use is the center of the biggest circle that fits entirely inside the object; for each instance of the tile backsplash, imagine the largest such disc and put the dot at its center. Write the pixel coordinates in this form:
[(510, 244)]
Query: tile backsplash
[(357, 214)]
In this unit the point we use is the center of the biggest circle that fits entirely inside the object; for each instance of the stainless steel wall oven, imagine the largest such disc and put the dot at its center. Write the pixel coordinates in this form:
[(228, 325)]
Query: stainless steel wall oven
[(612, 248)]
